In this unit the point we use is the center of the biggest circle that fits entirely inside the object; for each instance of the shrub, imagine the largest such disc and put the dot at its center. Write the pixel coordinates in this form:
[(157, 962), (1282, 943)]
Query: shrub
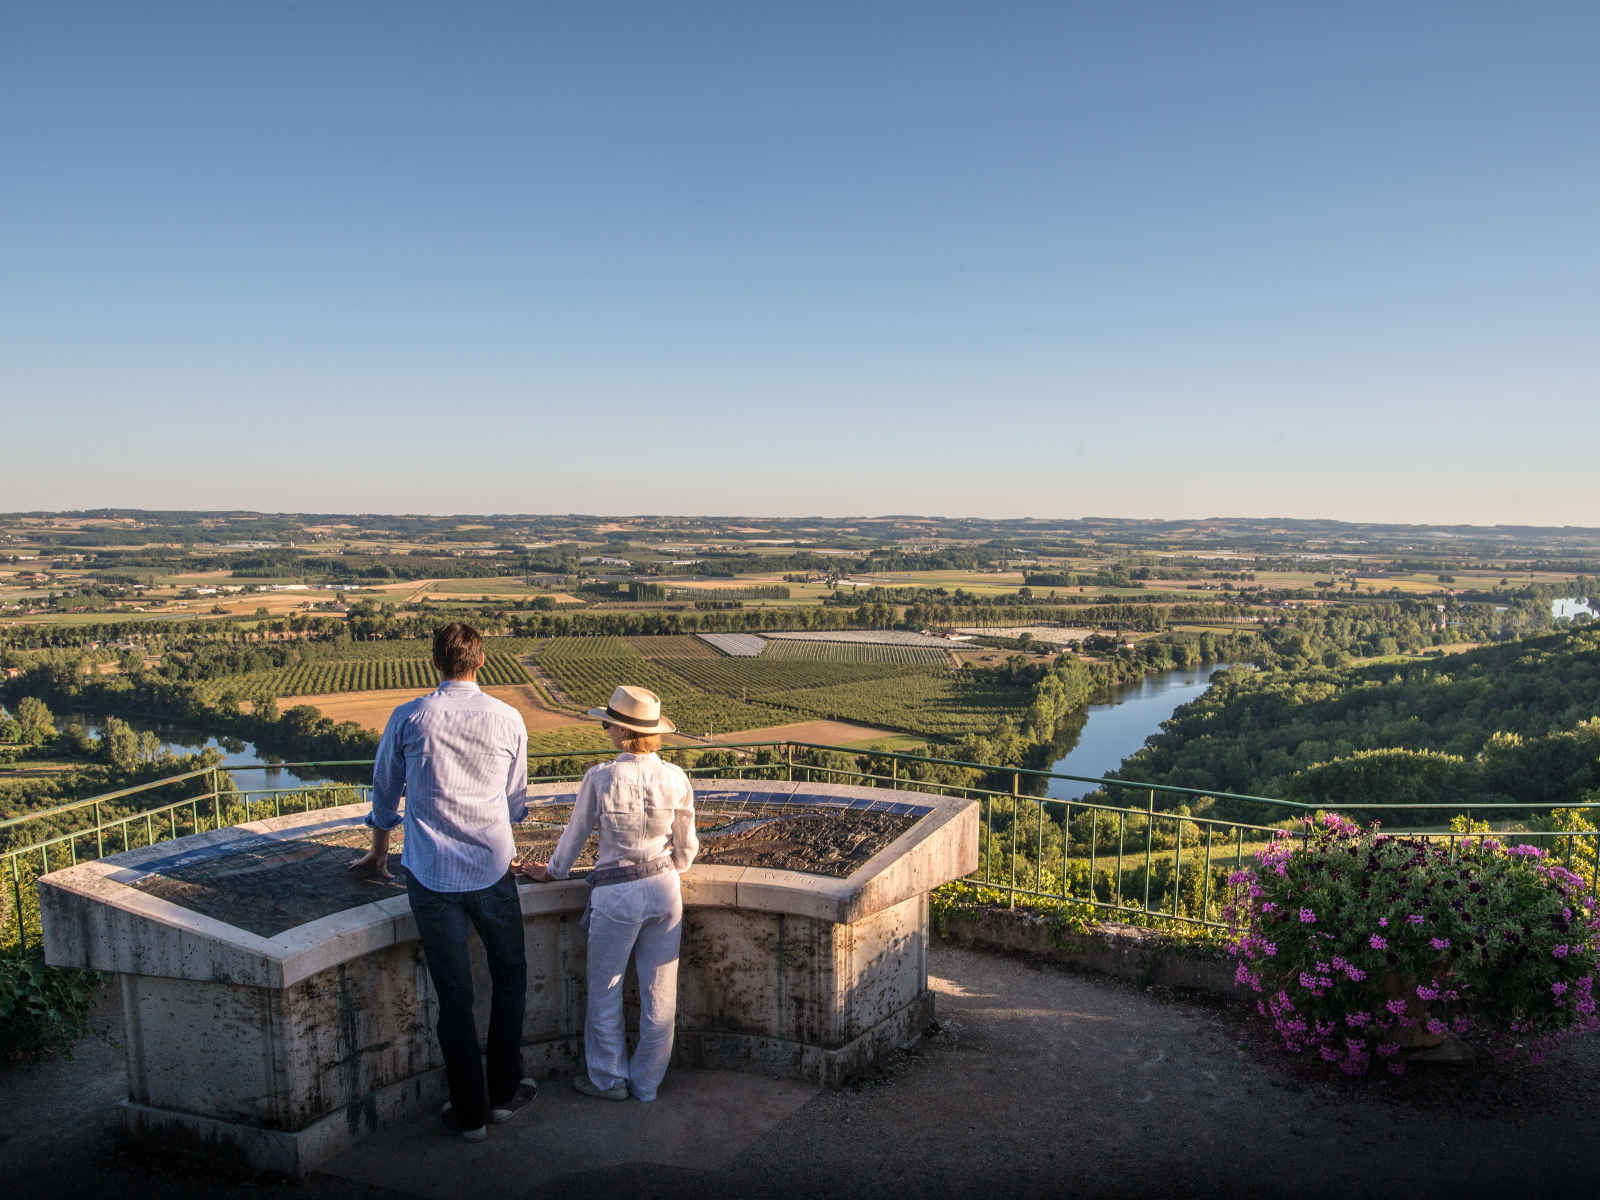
[(42, 1008), (1063, 917), (1359, 943)]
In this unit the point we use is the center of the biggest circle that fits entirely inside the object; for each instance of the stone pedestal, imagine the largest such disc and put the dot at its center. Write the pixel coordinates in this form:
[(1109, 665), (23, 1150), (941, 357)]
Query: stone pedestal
[(283, 1049)]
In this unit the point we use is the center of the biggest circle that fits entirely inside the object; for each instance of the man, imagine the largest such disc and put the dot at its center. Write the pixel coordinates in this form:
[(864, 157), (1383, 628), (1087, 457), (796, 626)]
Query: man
[(460, 758)]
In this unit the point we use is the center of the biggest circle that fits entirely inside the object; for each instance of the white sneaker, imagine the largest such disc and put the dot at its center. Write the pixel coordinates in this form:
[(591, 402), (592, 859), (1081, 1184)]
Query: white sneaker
[(617, 1091)]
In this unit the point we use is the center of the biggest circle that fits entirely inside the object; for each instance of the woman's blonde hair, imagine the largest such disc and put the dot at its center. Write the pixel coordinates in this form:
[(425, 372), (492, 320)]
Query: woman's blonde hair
[(640, 743)]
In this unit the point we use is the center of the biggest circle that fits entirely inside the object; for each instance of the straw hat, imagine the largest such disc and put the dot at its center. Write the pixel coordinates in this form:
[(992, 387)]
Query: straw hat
[(635, 708)]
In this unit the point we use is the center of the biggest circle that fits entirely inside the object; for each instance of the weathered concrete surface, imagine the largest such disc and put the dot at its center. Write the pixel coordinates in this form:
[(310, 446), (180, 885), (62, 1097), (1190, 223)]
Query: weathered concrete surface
[(287, 1048)]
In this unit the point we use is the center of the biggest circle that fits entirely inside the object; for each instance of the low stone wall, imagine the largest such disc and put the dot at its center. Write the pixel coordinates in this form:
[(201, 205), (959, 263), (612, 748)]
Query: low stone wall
[(282, 1046), (1143, 956)]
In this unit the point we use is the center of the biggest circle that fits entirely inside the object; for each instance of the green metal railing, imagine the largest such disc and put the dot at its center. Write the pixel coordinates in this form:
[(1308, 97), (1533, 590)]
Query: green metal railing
[(1127, 858)]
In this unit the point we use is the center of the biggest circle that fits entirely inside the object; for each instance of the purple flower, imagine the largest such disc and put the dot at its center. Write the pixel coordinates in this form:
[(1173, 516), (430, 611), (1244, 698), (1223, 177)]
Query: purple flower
[(1354, 974), (1415, 919), (1384, 921), (1357, 1019), (1397, 1007), (1561, 950), (1437, 1027), (1378, 942), (1307, 917), (1427, 993), (1388, 1049), (1559, 988), (1439, 943)]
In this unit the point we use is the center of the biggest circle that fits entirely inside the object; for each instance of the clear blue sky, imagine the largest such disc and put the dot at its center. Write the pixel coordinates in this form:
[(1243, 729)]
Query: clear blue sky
[(1046, 260)]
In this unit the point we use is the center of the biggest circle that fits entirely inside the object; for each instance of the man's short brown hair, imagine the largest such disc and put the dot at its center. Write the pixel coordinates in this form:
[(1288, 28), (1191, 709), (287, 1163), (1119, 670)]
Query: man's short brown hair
[(456, 649)]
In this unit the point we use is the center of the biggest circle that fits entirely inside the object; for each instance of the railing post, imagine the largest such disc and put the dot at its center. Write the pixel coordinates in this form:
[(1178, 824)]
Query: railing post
[(99, 833), (1122, 838), (16, 892), (1016, 788), (1149, 845), (1177, 864), (788, 758), (1094, 846)]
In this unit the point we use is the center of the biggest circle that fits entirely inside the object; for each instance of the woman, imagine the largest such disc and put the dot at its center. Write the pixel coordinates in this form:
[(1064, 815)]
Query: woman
[(644, 809)]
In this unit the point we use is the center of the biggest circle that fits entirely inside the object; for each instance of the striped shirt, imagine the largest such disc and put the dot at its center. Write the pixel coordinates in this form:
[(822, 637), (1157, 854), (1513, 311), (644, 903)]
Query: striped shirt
[(460, 758)]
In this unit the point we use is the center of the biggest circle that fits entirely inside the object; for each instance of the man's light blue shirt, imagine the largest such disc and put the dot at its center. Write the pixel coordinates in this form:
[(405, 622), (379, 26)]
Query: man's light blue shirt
[(460, 758)]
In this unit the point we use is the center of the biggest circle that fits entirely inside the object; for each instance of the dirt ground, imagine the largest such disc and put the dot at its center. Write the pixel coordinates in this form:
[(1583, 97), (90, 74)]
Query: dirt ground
[(1035, 1081), (826, 733), (372, 708)]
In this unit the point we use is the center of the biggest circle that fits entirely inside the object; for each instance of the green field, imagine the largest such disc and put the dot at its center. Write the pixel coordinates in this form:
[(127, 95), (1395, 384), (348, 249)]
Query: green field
[(943, 706), (498, 586), (374, 666), (674, 647), (711, 691), (587, 669), (930, 657)]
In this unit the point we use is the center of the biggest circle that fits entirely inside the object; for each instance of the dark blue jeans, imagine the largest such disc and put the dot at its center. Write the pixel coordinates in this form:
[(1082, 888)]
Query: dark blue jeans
[(442, 919)]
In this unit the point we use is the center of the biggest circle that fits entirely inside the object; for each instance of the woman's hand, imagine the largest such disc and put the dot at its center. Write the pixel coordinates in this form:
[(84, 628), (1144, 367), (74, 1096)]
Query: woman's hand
[(536, 871)]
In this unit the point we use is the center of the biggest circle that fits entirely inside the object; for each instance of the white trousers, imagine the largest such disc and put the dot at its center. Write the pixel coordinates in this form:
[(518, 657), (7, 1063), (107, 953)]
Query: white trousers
[(643, 917)]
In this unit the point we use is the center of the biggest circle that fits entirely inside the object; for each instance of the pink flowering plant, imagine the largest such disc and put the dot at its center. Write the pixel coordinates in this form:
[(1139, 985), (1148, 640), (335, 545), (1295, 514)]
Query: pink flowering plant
[(1360, 944)]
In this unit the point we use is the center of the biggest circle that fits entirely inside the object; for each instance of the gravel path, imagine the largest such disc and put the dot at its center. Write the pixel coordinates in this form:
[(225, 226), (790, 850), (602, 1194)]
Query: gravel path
[(1039, 1082)]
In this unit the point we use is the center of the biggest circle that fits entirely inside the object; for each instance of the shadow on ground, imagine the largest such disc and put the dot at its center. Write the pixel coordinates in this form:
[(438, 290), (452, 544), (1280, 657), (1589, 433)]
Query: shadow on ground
[(1036, 1082)]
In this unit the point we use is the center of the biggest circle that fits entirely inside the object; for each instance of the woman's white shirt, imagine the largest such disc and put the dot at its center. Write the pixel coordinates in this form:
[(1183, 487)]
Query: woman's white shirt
[(644, 807)]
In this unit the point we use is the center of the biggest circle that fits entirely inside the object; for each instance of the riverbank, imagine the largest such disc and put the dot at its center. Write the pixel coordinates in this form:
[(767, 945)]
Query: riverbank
[(1117, 726)]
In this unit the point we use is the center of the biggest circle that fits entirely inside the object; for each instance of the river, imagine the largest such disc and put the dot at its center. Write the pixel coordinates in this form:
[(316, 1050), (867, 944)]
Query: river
[(1120, 726), (179, 740)]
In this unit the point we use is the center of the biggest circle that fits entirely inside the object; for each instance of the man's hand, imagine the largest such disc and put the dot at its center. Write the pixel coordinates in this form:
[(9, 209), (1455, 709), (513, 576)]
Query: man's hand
[(375, 862), (536, 871)]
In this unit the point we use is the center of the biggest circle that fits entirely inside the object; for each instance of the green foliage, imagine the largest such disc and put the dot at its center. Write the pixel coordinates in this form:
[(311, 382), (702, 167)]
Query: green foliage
[(1510, 724), (1063, 918), (42, 1008), (35, 724), (120, 744), (1358, 942)]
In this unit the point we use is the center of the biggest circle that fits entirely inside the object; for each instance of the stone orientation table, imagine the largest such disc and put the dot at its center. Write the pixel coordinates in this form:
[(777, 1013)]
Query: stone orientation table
[(277, 1007)]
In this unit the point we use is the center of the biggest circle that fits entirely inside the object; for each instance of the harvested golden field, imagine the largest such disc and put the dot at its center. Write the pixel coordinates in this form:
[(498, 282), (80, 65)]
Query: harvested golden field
[(827, 733)]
